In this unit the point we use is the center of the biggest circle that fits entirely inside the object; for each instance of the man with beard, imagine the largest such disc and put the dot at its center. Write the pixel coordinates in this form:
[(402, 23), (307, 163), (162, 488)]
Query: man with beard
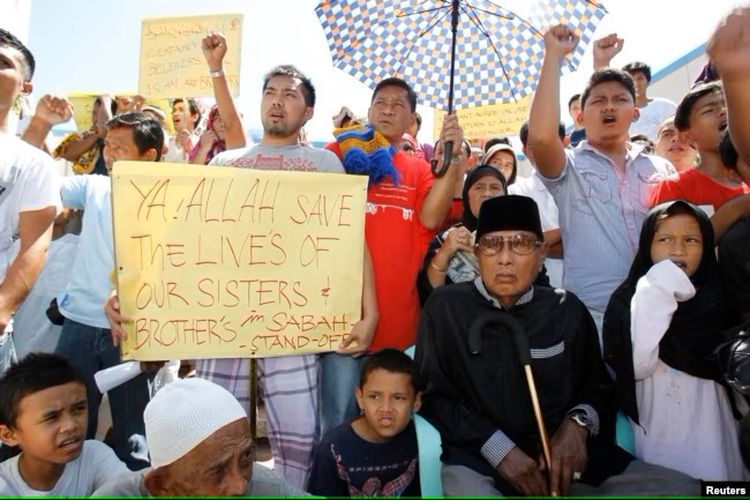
[(701, 117), (290, 383), (601, 187)]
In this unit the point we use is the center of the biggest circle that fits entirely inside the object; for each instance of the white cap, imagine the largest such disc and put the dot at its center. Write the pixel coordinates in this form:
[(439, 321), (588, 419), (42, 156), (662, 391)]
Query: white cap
[(183, 414)]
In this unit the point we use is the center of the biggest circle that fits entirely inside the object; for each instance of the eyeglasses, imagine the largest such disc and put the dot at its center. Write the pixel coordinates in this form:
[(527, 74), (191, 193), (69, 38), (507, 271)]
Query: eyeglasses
[(519, 244)]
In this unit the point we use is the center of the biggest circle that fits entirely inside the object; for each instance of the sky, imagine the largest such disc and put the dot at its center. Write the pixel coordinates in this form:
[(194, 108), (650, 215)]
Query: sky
[(93, 45)]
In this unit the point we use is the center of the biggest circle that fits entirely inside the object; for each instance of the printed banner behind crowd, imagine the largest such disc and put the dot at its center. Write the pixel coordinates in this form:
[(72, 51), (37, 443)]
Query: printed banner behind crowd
[(492, 120), (216, 262), (172, 62)]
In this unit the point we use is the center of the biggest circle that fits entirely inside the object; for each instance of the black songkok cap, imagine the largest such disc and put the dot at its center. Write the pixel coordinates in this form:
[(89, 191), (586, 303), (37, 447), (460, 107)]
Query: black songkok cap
[(509, 213)]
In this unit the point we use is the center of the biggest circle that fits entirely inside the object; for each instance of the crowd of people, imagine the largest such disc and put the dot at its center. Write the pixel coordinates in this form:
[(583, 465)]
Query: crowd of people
[(557, 330)]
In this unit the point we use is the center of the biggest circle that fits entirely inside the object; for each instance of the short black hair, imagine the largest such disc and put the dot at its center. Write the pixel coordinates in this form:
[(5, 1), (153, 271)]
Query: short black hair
[(495, 141), (194, 110), (35, 372), (523, 134), (573, 98), (608, 75), (308, 90), (397, 82), (394, 361), (682, 113), (418, 118), (727, 151), (147, 131), (29, 64), (637, 66)]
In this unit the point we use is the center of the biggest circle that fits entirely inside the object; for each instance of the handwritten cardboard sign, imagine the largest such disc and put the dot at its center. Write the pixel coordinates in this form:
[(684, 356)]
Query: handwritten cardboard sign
[(221, 262), (172, 64), (493, 120)]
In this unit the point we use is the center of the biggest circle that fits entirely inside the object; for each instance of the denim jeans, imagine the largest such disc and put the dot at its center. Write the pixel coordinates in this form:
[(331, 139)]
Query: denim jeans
[(339, 376), (90, 349)]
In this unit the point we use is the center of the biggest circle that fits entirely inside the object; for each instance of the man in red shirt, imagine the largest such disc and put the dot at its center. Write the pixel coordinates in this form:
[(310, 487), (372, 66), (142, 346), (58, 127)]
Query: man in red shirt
[(398, 213)]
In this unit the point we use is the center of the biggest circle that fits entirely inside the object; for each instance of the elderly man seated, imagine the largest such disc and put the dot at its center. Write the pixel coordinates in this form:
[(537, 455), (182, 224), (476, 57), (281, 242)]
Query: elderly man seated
[(477, 395), (200, 445)]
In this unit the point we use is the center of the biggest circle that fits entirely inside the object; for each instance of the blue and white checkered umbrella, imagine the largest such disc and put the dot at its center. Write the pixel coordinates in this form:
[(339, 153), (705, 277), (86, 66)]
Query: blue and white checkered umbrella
[(493, 55)]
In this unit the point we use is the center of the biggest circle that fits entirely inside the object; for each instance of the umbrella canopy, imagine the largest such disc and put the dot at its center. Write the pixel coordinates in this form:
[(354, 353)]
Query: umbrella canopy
[(498, 53)]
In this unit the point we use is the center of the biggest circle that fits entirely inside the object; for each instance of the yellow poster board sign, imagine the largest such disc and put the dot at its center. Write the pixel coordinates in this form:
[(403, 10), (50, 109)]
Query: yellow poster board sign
[(222, 262), (172, 63), (493, 120), (83, 107)]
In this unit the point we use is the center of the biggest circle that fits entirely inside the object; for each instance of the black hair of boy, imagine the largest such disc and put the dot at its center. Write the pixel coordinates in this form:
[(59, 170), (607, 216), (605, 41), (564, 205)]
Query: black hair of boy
[(308, 90), (682, 113), (147, 131), (638, 67), (608, 75), (35, 372), (29, 64), (394, 361), (397, 82)]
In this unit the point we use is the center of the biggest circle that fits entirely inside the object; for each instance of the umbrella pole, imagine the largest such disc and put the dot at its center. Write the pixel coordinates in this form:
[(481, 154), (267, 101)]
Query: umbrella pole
[(448, 146)]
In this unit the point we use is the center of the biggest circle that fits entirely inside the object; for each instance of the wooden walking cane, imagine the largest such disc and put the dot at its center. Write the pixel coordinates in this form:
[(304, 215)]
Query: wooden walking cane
[(524, 355), (253, 399)]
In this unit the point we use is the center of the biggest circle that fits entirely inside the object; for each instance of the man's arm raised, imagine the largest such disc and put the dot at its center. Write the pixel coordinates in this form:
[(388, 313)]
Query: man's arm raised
[(544, 118), (35, 230), (729, 50), (214, 47)]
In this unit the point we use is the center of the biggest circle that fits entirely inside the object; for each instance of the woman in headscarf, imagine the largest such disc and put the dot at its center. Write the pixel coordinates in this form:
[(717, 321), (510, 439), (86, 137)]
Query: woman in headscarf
[(450, 256), (212, 141), (661, 328)]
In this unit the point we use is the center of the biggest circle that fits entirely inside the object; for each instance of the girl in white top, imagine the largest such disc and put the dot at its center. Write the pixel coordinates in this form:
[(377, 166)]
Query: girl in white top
[(660, 330)]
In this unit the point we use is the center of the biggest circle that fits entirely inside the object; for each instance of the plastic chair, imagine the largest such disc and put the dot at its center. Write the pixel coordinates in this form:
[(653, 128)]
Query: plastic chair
[(430, 447)]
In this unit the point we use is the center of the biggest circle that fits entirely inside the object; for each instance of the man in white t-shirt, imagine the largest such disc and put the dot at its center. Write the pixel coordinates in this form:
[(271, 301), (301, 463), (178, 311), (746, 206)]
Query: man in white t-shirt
[(43, 411), (654, 110), (29, 194)]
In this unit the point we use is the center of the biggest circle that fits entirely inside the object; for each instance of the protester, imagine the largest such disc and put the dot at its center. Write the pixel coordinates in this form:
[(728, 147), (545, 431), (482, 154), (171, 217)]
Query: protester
[(702, 117), (534, 188), (653, 110), (84, 149), (86, 340), (661, 329), (406, 204), (502, 157), (600, 221), (450, 257), (50, 111), (185, 118), (577, 133), (29, 196), (376, 453), (200, 446), (43, 411), (476, 394), (673, 146)]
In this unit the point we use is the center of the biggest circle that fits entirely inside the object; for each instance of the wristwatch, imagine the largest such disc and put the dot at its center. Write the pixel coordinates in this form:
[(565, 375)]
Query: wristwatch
[(581, 418)]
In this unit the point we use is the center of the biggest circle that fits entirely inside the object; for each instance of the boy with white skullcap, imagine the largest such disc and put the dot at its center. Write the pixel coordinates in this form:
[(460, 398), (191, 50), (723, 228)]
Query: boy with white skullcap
[(200, 445)]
